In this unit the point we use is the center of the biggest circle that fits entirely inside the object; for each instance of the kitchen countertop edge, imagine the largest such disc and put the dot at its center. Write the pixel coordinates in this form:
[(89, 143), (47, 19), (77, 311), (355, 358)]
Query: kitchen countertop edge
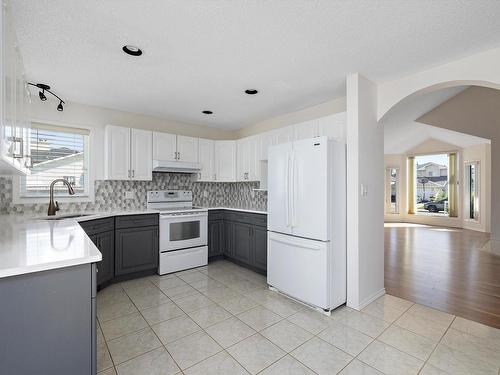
[(253, 211)]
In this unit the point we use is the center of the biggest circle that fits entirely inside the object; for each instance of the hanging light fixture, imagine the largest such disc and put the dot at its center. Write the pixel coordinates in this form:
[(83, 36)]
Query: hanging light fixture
[(43, 87)]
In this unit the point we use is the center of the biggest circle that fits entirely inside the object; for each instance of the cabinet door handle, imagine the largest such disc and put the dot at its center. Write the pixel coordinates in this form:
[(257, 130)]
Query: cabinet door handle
[(133, 173), (19, 154), (179, 156)]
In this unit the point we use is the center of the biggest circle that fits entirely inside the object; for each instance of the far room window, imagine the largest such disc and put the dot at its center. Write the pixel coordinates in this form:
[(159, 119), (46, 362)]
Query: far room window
[(472, 190), (56, 152), (392, 191), (433, 188)]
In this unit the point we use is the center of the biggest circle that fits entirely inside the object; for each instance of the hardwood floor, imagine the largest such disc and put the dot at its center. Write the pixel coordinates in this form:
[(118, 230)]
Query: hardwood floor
[(443, 268)]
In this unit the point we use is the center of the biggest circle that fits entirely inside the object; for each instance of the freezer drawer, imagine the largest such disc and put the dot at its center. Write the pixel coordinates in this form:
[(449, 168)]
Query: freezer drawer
[(299, 267), (178, 260)]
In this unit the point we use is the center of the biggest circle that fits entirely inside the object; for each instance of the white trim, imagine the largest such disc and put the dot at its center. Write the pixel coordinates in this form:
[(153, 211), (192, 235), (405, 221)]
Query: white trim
[(78, 198), (370, 299)]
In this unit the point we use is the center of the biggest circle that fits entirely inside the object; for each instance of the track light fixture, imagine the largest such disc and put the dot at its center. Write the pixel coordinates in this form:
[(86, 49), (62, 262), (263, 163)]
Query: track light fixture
[(42, 96), (43, 87)]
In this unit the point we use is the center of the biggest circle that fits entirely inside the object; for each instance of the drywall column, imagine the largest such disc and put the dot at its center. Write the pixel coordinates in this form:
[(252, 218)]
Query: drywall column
[(365, 187)]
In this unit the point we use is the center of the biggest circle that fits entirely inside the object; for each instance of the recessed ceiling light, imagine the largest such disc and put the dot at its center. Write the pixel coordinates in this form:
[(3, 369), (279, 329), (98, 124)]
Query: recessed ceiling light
[(132, 50), (251, 91), (207, 112)]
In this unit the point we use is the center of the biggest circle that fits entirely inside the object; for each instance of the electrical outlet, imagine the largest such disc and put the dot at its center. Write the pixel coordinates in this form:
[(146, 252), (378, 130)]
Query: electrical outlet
[(129, 195)]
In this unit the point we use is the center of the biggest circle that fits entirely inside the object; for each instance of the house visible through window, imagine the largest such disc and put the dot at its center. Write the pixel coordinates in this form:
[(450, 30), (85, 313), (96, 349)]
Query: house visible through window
[(433, 184), (56, 152)]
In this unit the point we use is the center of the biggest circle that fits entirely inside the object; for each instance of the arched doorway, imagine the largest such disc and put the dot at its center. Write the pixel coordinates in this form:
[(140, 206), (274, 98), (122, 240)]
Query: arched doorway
[(442, 267)]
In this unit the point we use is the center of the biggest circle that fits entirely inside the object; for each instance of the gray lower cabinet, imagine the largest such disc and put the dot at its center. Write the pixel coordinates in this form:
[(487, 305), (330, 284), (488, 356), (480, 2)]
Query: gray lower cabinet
[(239, 236), (128, 243), (136, 250), (215, 237), (227, 230), (260, 248), (242, 242), (105, 242), (47, 322)]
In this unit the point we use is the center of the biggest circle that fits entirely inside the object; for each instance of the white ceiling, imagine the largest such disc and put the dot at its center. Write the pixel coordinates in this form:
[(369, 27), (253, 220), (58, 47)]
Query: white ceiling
[(202, 54), (402, 133)]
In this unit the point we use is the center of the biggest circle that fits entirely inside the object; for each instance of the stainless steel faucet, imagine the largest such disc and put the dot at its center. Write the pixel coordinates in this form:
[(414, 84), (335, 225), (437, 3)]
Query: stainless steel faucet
[(54, 207)]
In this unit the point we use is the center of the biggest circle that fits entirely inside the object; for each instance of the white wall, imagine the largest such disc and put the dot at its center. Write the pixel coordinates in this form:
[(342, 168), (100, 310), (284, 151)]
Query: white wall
[(333, 106), (365, 218)]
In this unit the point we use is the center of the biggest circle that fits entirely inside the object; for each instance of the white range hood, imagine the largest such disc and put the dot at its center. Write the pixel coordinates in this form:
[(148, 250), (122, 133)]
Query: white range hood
[(175, 166)]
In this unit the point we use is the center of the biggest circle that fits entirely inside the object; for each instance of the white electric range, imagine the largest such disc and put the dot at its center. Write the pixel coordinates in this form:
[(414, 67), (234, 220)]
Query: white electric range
[(183, 230)]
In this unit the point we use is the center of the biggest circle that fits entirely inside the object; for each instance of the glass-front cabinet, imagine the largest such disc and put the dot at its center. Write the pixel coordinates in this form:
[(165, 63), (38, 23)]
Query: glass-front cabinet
[(15, 102)]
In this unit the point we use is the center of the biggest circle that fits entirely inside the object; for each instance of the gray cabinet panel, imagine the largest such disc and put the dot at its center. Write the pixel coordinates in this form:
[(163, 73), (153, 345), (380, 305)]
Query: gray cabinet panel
[(136, 249), (215, 230), (242, 242), (46, 322), (227, 243), (260, 248), (105, 242)]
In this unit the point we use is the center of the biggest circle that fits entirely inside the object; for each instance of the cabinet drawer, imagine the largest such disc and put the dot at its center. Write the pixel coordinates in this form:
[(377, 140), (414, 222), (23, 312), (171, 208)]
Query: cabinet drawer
[(259, 220), (134, 221), (215, 215), (246, 217), (98, 225)]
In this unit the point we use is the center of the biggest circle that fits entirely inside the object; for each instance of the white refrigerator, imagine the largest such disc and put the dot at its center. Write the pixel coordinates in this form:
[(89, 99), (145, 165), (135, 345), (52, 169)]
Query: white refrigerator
[(307, 221)]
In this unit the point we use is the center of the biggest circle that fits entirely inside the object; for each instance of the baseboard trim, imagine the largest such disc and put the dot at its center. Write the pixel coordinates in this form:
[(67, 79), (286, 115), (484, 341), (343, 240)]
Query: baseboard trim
[(372, 298)]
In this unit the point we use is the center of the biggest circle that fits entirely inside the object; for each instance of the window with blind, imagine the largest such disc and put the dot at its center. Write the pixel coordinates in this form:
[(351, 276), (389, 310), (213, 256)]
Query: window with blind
[(56, 152)]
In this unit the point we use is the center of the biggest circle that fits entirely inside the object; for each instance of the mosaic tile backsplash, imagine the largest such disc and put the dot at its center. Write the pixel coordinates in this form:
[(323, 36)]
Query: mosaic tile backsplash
[(110, 195)]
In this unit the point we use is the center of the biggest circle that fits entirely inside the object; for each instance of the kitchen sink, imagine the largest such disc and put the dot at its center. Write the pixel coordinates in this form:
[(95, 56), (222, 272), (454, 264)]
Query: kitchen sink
[(62, 217)]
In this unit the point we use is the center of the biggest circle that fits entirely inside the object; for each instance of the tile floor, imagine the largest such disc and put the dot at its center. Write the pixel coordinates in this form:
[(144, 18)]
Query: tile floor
[(221, 319)]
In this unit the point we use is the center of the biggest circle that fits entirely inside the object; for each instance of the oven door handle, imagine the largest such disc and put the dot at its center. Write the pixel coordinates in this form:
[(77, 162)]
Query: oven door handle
[(189, 216)]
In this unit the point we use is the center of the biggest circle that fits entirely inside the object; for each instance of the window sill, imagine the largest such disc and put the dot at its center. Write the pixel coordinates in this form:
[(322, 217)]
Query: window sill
[(38, 199)]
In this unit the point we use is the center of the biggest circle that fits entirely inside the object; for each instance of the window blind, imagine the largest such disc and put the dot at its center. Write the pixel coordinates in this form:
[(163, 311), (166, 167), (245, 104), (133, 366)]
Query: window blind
[(56, 152)]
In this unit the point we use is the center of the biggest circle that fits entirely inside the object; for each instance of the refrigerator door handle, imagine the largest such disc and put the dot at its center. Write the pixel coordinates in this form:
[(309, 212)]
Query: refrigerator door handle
[(292, 194), (287, 190), (300, 244)]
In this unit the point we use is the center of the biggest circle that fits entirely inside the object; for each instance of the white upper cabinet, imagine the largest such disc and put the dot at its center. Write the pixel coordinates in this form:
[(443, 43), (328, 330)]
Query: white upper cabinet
[(206, 154), (172, 147), (284, 135), (15, 101), (225, 161), (141, 161), (266, 140), (333, 126), (128, 153), (248, 159), (117, 153), (164, 146), (306, 129), (187, 149)]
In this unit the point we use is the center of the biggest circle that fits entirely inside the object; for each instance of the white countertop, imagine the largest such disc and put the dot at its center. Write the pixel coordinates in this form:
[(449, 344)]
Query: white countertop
[(253, 211), (31, 244)]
